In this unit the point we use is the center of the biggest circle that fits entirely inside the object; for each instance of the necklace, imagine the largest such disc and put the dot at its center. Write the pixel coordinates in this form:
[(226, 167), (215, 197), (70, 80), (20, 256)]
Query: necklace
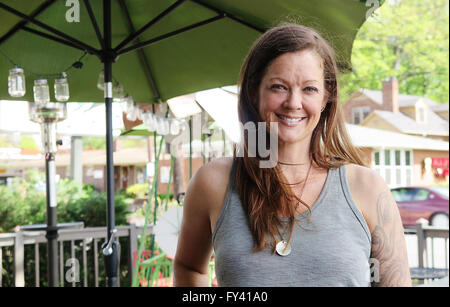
[(283, 247), (287, 163)]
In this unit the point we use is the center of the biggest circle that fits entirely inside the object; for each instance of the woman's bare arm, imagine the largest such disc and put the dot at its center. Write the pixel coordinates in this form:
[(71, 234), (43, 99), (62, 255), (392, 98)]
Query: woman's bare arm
[(205, 192), (388, 243), (373, 197)]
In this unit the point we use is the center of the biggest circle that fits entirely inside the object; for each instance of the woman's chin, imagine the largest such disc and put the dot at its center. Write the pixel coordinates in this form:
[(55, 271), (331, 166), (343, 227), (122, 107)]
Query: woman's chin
[(290, 138)]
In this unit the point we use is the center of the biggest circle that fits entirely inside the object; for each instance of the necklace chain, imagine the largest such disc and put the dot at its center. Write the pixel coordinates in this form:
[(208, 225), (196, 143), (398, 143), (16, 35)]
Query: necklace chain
[(286, 249)]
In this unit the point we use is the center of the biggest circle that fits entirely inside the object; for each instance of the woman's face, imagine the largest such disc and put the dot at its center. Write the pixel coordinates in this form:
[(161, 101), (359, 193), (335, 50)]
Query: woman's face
[(292, 93)]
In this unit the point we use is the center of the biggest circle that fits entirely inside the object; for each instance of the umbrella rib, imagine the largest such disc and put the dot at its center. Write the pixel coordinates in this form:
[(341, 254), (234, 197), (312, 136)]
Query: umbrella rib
[(51, 37), (48, 28), (170, 34), (231, 16), (141, 54), (22, 23), (94, 23), (135, 35)]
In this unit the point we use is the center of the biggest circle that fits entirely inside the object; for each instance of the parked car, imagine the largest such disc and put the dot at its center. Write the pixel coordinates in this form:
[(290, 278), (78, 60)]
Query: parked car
[(430, 203)]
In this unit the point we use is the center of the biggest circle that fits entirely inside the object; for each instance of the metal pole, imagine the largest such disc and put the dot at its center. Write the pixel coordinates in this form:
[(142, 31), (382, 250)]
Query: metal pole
[(52, 231), (190, 148), (110, 248)]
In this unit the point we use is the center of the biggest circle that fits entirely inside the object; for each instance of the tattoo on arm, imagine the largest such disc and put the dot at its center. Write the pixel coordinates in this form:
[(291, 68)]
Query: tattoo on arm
[(388, 245)]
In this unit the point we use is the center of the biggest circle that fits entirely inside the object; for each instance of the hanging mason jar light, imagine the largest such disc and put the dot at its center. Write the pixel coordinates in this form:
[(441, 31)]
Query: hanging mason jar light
[(16, 82), (132, 115), (149, 121), (166, 124), (160, 126), (118, 93), (41, 92), (101, 80), (129, 105), (174, 126), (62, 88)]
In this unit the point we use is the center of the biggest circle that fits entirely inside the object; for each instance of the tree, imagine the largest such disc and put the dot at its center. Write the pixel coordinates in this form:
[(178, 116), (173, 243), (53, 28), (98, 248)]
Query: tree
[(408, 39)]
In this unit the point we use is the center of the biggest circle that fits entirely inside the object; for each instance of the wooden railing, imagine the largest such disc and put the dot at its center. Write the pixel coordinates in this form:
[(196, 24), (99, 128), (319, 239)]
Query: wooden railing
[(90, 239), (431, 240)]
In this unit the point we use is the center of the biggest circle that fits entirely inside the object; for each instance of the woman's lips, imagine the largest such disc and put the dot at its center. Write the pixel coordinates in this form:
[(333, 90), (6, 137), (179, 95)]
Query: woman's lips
[(290, 121)]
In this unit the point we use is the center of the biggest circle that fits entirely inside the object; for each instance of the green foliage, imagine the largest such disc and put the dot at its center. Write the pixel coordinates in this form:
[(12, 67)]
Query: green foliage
[(25, 203), (94, 143), (27, 142), (138, 190), (408, 39), (133, 142)]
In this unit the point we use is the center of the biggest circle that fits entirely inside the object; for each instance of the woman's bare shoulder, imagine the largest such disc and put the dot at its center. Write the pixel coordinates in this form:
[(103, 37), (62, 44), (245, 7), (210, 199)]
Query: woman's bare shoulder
[(214, 173), (366, 186), (211, 180), (364, 178)]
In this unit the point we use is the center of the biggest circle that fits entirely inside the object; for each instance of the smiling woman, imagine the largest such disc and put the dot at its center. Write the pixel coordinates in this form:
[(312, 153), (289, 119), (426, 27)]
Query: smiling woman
[(349, 225)]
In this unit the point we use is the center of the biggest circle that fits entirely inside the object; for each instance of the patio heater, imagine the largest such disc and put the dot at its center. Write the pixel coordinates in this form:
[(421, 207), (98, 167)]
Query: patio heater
[(47, 114)]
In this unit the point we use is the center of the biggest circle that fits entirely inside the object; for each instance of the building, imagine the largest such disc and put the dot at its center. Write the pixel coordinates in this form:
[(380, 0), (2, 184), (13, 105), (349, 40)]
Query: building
[(408, 140), (389, 110)]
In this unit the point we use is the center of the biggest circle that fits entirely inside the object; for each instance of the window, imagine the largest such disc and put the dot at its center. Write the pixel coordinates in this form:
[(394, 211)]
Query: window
[(366, 112), (397, 157), (408, 177), (403, 195), (407, 157), (359, 114), (394, 166), (387, 176), (420, 116), (387, 157), (356, 116), (421, 195), (398, 177)]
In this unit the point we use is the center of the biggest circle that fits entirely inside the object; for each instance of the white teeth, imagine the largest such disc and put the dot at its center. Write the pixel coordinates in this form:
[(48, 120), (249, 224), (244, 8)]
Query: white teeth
[(290, 119)]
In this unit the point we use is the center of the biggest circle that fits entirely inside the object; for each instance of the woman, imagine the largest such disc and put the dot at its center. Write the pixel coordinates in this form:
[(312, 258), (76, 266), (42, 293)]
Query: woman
[(319, 217)]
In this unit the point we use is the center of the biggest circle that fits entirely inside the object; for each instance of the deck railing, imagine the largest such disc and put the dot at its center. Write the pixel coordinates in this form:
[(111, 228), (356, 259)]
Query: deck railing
[(432, 252), (81, 241)]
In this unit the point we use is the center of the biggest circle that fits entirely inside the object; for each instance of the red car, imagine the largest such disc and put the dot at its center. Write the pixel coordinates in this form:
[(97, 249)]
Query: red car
[(430, 203)]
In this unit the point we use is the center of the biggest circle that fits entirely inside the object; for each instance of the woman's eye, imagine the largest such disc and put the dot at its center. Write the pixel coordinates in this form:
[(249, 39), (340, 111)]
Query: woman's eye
[(278, 87), (311, 89)]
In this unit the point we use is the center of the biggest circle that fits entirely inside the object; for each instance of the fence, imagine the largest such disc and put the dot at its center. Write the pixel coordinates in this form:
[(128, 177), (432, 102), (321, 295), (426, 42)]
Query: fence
[(432, 252), (425, 236), (90, 239)]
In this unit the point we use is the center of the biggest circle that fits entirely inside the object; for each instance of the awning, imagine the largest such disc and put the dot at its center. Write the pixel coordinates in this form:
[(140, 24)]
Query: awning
[(439, 162)]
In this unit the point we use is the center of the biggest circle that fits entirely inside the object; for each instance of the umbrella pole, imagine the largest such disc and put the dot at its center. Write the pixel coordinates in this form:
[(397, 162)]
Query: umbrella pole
[(111, 246), (52, 232), (190, 148)]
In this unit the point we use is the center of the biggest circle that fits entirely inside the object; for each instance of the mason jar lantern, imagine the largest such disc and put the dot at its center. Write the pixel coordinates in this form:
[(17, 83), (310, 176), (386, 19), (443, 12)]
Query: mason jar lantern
[(61, 89), (41, 92), (16, 82)]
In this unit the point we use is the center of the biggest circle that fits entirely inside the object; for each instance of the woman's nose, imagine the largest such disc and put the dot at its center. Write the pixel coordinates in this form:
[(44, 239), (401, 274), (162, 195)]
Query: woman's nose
[(294, 100)]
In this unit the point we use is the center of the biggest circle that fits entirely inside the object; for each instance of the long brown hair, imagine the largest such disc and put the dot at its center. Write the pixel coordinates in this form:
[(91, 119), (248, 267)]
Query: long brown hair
[(260, 189)]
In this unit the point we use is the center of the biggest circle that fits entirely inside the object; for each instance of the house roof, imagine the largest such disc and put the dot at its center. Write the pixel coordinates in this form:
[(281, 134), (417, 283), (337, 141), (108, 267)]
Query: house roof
[(434, 124), (403, 99), (376, 138)]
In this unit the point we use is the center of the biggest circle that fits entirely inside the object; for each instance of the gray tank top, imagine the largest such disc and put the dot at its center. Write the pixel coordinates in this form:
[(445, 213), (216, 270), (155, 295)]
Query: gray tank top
[(331, 250)]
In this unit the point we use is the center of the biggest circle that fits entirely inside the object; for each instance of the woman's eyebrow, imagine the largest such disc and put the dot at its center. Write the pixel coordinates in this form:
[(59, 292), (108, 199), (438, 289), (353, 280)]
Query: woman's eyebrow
[(306, 81)]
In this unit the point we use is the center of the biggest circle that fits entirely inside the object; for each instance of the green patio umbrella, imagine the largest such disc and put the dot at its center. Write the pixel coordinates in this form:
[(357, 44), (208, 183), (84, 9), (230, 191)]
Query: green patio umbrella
[(159, 50)]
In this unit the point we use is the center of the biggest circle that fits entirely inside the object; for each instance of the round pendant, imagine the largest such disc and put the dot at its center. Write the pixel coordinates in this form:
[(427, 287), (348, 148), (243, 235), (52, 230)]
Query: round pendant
[(283, 248)]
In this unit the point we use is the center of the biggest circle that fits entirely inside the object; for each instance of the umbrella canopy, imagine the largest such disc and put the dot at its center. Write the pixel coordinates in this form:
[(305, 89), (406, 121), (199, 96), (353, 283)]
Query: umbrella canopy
[(193, 44)]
